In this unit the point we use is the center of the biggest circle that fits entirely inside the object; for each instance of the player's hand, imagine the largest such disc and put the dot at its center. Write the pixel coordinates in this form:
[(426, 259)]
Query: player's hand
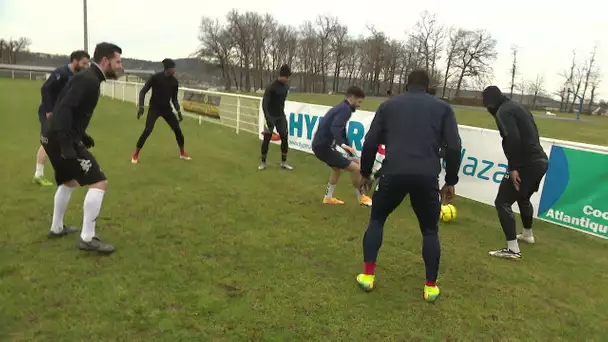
[(448, 192), (180, 117), (48, 115), (515, 179), (140, 112), (366, 184), (88, 141), (350, 150)]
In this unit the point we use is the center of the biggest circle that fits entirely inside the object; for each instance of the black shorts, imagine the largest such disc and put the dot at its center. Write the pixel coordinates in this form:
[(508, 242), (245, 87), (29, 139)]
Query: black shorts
[(280, 123), (424, 197), (84, 169), (43, 123), (331, 157)]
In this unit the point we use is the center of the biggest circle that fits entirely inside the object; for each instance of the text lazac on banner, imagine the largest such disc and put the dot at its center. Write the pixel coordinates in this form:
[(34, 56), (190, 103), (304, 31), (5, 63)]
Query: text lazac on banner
[(484, 165), (575, 193)]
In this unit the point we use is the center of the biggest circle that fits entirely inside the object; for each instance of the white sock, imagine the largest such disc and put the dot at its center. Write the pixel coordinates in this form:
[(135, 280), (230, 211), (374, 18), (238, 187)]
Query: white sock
[(91, 208), (528, 232), (358, 193), (513, 246), (62, 198), (329, 193), (39, 170)]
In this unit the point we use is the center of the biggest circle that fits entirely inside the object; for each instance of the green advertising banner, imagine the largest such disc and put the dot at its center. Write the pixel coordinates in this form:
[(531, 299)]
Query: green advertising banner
[(575, 192)]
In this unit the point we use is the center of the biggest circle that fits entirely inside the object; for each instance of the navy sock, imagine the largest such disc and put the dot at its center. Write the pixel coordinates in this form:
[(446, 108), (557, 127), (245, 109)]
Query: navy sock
[(431, 252), (372, 240)]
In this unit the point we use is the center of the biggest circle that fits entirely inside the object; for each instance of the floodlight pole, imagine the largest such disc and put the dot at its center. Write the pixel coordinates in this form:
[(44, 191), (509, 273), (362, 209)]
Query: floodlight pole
[(86, 26)]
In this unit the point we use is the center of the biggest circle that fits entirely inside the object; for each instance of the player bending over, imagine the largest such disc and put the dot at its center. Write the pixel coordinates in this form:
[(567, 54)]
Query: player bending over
[(50, 91), (273, 105), (330, 136), (528, 164), (68, 144), (164, 87)]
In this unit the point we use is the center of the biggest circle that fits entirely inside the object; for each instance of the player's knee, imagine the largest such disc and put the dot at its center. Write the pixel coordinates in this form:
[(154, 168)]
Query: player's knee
[(430, 231), (353, 167), (500, 204), (101, 185), (72, 184)]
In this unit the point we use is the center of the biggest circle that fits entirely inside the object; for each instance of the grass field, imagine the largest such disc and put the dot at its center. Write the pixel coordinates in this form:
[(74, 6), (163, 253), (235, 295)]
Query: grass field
[(212, 250)]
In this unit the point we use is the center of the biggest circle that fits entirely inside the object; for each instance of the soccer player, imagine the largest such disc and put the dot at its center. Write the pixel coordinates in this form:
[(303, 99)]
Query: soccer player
[(527, 163), (412, 126), (50, 90), (164, 87), (331, 134), (68, 144), (273, 105)]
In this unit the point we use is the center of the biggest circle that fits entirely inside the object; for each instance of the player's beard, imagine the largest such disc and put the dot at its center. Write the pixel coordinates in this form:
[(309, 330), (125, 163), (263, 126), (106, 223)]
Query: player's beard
[(111, 74)]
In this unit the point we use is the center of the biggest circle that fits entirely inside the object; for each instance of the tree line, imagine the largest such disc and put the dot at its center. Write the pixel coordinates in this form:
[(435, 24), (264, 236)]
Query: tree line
[(579, 80), (10, 48), (250, 47)]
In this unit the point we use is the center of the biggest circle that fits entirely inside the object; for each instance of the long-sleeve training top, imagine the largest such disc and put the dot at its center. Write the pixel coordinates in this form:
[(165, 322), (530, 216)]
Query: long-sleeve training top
[(75, 105), (164, 91), (332, 129), (273, 103), (520, 140), (52, 87), (413, 127)]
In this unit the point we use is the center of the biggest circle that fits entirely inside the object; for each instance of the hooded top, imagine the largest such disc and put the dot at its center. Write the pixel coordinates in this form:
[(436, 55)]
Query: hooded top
[(520, 138)]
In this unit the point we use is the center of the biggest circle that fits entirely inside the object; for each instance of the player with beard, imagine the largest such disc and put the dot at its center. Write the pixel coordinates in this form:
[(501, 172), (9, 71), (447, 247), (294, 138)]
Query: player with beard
[(330, 139), (67, 144)]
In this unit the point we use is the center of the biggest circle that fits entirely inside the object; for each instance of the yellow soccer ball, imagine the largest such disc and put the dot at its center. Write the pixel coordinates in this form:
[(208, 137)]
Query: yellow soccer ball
[(448, 213)]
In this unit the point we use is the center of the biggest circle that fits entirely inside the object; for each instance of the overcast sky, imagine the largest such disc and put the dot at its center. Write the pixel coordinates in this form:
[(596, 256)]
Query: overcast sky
[(545, 31)]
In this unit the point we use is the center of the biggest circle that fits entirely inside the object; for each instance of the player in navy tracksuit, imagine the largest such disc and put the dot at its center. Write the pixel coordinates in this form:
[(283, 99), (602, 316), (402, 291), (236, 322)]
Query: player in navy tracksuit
[(49, 92), (413, 126), (331, 136)]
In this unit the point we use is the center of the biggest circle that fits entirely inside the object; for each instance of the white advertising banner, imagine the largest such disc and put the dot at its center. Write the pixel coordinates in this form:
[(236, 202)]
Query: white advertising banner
[(483, 163)]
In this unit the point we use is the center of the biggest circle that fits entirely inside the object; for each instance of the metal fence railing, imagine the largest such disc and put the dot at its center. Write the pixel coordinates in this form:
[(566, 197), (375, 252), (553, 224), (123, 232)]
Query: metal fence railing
[(236, 111)]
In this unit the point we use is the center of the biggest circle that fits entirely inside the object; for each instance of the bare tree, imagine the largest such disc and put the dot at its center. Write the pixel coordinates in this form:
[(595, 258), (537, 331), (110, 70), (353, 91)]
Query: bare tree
[(327, 26), (536, 88), (250, 47), (309, 56), (478, 50), (522, 87), (241, 33), (454, 52), (11, 48), (568, 76), (429, 35), (376, 47), (594, 82), (215, 46), (590, 68), (513, 70), (2, 46), (339, 43), (577, 80)]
